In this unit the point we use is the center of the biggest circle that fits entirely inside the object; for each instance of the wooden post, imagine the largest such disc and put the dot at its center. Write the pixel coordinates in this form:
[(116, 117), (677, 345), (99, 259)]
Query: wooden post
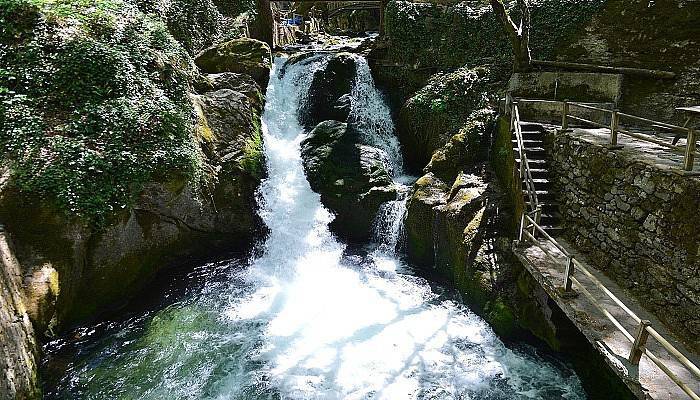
[(568, 272), (538, 216), (614, 125), (690, 147), (565, 116), (639, 342), (522, 226)]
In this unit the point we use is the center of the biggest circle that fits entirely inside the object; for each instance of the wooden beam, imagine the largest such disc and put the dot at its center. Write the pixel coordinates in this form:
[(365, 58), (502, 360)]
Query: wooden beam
[(648, 73)]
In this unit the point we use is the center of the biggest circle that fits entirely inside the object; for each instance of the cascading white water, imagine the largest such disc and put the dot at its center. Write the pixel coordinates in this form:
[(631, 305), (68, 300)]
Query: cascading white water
[(306, 322), (336, 329)]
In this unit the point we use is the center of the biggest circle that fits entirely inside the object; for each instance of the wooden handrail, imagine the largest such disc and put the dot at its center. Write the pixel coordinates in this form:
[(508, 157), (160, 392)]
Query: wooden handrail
[(688, 151), (639, 343)]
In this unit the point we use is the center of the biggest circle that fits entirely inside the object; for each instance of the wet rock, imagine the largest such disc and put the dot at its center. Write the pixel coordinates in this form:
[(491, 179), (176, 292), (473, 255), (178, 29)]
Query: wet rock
[(19, 350), (353, 179), (428, 192), (330, 92), (244, 56)]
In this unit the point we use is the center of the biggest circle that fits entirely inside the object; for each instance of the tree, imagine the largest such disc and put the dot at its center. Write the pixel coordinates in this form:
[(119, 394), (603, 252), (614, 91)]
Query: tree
[(519, 35), (382, 15), (265, 21)]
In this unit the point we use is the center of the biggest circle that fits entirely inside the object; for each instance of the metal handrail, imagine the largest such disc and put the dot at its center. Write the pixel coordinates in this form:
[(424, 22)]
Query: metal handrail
[(645, 328), (524, 169), (689, 150)]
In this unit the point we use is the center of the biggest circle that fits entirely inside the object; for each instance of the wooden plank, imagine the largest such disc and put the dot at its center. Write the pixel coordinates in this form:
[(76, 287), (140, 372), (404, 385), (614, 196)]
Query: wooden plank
[(648, 73)]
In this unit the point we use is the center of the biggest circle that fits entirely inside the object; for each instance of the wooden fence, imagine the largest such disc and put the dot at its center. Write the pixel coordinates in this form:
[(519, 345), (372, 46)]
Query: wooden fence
[(689, 150)]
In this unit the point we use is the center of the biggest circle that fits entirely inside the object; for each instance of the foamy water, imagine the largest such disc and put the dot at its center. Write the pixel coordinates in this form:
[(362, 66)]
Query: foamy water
[(305, 320)]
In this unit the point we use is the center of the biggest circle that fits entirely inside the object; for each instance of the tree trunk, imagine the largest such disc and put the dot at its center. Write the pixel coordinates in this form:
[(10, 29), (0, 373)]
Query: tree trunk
[(519, 36), (382, 17), (265, 22)]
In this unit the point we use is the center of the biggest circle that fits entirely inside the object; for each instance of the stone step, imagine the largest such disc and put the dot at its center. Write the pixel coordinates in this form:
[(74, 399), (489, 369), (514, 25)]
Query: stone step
[(533, 152), (539, 163), (548, 207), (524, 125), (528, 142), (540, 184)]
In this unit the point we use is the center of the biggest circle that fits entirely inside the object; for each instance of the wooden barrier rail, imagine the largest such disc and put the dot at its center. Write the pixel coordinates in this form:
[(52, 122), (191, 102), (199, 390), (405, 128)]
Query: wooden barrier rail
[(689, 151), (529, 229)]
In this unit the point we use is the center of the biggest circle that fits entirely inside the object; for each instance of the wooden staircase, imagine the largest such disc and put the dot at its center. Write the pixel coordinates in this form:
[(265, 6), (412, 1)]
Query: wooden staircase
[(533, 141)]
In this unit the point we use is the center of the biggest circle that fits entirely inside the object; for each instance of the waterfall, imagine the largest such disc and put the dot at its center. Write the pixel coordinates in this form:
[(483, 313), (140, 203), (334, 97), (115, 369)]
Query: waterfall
[(305, 320)]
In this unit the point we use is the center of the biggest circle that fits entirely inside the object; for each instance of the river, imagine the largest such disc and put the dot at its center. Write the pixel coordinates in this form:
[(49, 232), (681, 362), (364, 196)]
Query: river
[(304, 317)]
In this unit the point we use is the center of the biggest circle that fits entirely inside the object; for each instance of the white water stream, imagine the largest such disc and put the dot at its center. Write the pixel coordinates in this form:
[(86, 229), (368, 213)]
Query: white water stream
[(307, 321)]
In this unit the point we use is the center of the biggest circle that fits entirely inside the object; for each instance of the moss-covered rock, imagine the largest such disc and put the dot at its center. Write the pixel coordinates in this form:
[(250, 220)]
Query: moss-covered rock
[(245, 56), (440, 109), (112, 167), (428, 193), (353, 179)]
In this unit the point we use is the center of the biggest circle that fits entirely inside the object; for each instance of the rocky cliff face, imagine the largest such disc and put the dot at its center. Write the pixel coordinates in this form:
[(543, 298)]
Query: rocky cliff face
[(18, 348), (120, 158), (463, 99), (660, 35)]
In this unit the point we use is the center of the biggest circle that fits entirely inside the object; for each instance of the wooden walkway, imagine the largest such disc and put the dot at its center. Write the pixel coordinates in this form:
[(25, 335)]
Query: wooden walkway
[(547, 264)]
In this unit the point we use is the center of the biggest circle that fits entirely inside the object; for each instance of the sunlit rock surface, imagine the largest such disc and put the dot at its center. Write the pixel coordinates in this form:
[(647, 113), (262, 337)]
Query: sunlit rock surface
[(353, 179)]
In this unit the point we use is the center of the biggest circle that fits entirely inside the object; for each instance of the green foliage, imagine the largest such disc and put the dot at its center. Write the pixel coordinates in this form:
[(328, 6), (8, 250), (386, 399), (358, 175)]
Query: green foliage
[(253, 156), (455, 95), (468, 33), (90, 109)]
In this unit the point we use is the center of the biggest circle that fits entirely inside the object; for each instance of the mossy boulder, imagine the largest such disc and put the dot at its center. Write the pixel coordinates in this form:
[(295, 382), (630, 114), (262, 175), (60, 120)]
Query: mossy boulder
[(329, 96), (467, 147), (353, 179), (245, 56), (76, 269), (440, 109), (428, 192)]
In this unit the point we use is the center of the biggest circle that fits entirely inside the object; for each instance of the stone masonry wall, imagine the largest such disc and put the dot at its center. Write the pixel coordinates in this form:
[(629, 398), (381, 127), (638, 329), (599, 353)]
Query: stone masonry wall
[(637, 223)]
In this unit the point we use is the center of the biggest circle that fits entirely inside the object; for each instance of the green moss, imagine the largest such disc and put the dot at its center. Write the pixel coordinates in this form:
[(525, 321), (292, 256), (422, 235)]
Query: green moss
[(253, 160), (503, 162), (501, 318), (468, 33), (92, 109)]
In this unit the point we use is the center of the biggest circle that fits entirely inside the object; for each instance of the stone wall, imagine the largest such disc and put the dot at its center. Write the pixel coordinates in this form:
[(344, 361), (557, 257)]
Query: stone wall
[(661, 34), (637, 223)]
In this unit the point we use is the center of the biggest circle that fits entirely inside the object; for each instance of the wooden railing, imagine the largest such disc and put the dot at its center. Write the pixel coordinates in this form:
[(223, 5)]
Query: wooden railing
[(525, 173), (689, 150), (529, 230)]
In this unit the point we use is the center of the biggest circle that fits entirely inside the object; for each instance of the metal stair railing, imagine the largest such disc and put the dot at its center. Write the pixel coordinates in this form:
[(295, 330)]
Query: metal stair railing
[(688, 151), (524, 170)]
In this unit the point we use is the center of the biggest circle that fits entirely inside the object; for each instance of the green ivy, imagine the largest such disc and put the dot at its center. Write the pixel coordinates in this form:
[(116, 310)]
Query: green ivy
[(93, 103), (468, 33)]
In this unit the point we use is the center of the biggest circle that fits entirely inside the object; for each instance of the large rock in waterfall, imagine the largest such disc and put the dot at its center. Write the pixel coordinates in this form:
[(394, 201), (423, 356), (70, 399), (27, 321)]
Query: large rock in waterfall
[(330, 92), (245, 56), (353, 179)]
